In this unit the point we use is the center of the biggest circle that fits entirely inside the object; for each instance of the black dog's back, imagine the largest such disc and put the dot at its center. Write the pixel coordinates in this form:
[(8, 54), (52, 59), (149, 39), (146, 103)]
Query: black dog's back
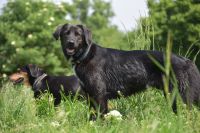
[(68, 84), (128, 71)]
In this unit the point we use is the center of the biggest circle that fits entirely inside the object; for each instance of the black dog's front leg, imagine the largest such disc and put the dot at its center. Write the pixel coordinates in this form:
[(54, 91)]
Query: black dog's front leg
[(57, 99), (95, 87), (99, 103), (98, 99)]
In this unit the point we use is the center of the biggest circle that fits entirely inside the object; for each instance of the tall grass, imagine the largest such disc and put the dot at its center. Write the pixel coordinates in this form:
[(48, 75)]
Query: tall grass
[(145, 112)]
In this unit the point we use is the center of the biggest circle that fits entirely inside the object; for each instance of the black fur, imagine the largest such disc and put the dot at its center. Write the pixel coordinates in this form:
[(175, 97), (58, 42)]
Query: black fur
[(105, 71), (53, 84)]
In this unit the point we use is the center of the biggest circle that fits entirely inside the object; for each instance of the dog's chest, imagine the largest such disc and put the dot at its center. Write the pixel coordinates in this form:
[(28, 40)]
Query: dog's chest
[(79, 74)]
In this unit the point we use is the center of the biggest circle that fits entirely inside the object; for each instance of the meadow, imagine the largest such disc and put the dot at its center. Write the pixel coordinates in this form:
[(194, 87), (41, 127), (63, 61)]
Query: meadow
[(146, 112)]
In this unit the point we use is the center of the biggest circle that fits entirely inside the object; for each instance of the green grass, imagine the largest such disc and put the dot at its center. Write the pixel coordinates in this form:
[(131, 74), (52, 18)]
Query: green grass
[(142, 113)]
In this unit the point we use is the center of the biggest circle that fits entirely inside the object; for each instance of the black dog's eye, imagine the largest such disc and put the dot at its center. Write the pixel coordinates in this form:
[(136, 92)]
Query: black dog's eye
[(67, 33), (77, 33)]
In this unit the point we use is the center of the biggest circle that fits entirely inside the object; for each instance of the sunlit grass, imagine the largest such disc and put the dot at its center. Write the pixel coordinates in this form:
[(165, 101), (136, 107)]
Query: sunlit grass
[(143, 112)]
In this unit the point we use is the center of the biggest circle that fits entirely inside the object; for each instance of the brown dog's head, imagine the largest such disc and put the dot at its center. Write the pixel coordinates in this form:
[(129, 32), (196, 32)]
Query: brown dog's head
[(20, 77), (74, 39), (26, 75)]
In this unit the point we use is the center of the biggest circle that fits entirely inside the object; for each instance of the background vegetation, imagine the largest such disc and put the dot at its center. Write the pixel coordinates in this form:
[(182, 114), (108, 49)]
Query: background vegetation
[(182, 18), (26, 28)]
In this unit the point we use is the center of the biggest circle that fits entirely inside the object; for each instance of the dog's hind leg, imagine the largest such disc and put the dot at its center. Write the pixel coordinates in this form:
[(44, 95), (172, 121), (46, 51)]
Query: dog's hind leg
[(193, 84), (174, 105), (174, 101), (188, 78)]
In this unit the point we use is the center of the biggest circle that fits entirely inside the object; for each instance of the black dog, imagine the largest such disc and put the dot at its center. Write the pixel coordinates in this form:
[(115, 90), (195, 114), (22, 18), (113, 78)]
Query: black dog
[(31, 75), (105, 71)]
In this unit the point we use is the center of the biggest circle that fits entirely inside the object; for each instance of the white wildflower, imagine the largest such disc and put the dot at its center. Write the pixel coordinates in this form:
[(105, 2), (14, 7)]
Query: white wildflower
[(17, 49), (49, 23), (4, 75), (113, 114), (13, 43), (52, 19), (27, 3), (92, 123), (30, 36), (67, 17), (55, 124), (39, 14), (60, 6), (4, 66), (169, 124), (45, 9)]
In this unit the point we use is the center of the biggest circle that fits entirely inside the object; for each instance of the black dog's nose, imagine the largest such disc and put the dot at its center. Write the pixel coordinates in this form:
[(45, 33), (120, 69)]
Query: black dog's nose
[(71, 43)]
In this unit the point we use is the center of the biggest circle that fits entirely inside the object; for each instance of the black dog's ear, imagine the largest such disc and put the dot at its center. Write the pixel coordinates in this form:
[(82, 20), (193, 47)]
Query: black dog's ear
[(24, 69), (34, 70), (56, 33), (87, 34)]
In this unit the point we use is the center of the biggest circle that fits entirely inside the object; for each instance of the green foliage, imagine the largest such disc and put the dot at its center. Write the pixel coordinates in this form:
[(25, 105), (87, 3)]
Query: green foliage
[(180, 17), (26, 35), (27, 27), (138, 39)]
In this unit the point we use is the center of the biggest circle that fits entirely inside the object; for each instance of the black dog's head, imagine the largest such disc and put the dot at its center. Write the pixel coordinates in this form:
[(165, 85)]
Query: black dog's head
[(32, 70), (73, 38)]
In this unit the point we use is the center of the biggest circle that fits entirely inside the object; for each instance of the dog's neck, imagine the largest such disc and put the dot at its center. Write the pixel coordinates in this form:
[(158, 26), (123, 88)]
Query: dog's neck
[(26, 82), (81, 55), (38, 81)]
